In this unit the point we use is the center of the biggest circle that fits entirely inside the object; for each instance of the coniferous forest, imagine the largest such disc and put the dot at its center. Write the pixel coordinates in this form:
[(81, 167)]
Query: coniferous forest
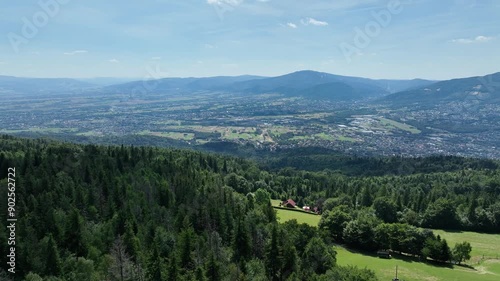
[(88, 212)]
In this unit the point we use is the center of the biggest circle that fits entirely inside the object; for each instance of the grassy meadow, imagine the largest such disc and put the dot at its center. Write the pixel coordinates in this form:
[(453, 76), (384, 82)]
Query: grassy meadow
[(483, 266), (410, 270), (297, 214)]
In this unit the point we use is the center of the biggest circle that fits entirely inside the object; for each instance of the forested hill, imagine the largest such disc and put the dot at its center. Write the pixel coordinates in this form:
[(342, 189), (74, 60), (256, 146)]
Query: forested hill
[(128, 213), (91, 212)]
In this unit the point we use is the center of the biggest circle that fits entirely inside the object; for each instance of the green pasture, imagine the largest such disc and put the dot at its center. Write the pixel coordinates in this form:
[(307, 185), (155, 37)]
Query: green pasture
[(484, 265), (298, 214), (413, 270)]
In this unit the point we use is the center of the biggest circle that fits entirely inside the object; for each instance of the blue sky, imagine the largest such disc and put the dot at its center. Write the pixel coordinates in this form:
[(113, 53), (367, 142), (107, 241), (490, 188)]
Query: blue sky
[(162, 38)]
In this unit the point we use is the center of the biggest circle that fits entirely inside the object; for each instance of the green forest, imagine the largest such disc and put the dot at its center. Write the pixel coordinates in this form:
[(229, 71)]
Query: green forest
[(95, 212)]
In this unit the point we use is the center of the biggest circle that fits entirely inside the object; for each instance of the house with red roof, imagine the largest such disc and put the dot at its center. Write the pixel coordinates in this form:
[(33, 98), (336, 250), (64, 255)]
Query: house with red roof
[(289, 203)]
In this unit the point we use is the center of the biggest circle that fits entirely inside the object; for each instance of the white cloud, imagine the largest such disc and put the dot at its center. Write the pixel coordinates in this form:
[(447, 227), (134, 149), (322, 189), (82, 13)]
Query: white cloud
[(478, 39), (114, 61), (76, 52), (308, 21), (483, 38), (156, 58), (292, 25), (224, 2)]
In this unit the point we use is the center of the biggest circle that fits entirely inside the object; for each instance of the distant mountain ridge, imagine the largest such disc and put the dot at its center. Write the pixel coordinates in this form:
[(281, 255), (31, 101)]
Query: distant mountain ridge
[(180, 84), (479, 89), (306, 83), (31, 86)]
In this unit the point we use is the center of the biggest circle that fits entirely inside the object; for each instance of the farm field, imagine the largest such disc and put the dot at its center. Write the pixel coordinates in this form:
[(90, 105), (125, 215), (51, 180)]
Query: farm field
[(394, 124), (301, 217), (477, 269), (415, 271), (285, 215), (487, 245)]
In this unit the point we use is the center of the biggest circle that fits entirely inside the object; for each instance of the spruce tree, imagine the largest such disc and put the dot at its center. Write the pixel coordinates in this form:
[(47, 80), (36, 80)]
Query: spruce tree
[(154, 265), (52, 260), (241, 245), (274, 255), (173, 269), (74, 234), (213, 268)]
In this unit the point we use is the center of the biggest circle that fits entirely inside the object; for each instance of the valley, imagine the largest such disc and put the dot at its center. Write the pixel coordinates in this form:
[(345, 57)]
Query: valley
[(266, 121)]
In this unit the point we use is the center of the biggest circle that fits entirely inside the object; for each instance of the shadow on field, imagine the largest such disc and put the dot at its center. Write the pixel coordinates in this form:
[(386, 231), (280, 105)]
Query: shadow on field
[(409, 259), (466, 266)]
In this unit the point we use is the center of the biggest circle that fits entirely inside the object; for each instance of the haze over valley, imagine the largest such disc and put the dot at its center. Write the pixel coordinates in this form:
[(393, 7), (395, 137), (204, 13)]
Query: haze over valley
[(352, 115)]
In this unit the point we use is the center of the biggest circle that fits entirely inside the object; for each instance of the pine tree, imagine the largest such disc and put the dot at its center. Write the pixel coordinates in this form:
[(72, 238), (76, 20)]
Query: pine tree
[(224, 167), (445, 254), (186, 243), (131, 242), (366, 198), (269, 212), (200, 274), (241, 245), (52, 261), (74, 234), (274, 255), (213, 269), (154, 265), (173, 269)]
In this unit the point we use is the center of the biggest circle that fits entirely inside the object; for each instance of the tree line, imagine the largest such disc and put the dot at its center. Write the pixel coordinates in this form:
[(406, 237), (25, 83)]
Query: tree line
[(90, 212)]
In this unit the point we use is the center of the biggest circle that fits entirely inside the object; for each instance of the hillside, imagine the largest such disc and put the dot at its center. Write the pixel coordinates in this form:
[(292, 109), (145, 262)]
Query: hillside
[(171, 85), (479, 90), (162, 214), (308, 84)]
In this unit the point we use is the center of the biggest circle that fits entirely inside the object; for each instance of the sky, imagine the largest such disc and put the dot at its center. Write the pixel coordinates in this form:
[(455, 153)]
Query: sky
[(396, 39)]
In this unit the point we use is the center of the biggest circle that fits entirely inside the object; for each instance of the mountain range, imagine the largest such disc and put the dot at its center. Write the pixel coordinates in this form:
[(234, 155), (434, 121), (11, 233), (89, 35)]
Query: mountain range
[(479, 89), (308, 84)]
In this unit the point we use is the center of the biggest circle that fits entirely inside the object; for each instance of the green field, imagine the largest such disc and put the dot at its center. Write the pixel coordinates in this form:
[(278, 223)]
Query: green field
[(301, 217), (394, 124), (477, 269), (487, 245), (415, 271), (170, 135), (297, 214)]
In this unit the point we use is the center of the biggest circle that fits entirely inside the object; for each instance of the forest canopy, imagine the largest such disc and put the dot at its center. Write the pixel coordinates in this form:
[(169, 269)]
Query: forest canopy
[(91, 212)]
